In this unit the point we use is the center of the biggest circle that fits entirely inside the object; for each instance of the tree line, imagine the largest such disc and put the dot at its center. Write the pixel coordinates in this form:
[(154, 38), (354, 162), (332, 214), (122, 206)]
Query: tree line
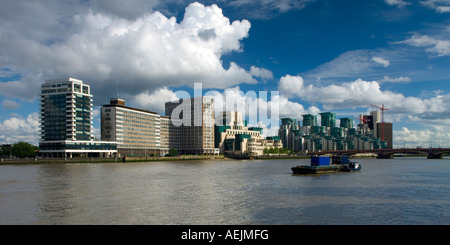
[(276, 150), (20, 149)]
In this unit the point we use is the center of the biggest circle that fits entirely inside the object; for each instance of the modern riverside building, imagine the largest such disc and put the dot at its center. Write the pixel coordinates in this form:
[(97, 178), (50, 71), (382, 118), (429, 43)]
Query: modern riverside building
[(328, 119), (309, 120), (387, 130), (328, 137), (235, 138), (137, 132), (66, 121), (289, 134), (194, 118)]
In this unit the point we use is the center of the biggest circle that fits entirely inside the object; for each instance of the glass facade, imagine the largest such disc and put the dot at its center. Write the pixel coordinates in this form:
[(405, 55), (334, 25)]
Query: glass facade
[(82, 117), (65, 110), (54, 117), (66, 122)]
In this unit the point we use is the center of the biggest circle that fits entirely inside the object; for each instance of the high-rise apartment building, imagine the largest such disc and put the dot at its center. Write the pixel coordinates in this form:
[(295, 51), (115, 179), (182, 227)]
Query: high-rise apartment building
[(328, 119), (194, 118), (346, 122), (66, 121), (309, 120), (287, 132)]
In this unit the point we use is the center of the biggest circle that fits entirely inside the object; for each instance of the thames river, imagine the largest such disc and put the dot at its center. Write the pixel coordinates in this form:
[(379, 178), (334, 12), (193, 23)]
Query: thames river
[(400, 191)]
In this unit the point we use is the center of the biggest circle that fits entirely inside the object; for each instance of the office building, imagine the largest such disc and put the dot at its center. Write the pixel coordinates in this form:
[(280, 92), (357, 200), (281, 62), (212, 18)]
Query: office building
[(137, 132), (385, 128), (66, 121), (194, 118), (236, 139)]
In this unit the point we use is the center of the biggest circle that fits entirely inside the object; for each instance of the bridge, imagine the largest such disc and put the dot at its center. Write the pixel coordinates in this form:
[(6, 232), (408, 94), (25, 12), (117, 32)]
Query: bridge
[(432, 153)]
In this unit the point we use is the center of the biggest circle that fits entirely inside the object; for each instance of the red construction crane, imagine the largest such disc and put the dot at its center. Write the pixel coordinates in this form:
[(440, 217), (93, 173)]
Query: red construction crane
[(382, 108), (361, 119)]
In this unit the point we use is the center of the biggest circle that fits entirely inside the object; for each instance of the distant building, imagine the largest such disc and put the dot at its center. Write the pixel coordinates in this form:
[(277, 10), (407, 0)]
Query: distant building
[(194, 120), (289, 133), (66, 121), (346, 122), (309, 120), (328, 119), (328, 137), (235, 138), (387, 133)]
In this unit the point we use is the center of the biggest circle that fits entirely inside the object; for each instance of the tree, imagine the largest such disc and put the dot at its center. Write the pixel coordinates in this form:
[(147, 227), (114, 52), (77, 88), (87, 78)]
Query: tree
[(23, 149), (173, 152), (5, 150)]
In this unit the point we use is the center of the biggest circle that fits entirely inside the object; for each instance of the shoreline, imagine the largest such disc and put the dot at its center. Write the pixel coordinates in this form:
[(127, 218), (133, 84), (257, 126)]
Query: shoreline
[(9, 161)]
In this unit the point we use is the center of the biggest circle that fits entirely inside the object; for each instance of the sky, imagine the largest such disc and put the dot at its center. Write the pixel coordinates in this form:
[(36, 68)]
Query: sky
[(315, 55)]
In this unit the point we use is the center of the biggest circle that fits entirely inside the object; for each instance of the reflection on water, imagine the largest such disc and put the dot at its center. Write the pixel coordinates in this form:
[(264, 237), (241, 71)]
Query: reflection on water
[(398, 191)]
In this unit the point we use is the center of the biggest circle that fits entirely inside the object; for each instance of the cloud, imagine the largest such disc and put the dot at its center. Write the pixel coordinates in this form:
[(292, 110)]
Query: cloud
[(433, 113), (395, 80), (380, 60), (398, 3), (261, 72), (441, 6), (10, 105), (106, 50), (266, 9), (130, 9), (17, 129), (411, 138), (361, 93), (436, 46), (153, 101), (370, 64)]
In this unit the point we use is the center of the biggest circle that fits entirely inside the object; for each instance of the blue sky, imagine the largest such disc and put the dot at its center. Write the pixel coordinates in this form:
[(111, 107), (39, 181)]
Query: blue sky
[(320, 55)]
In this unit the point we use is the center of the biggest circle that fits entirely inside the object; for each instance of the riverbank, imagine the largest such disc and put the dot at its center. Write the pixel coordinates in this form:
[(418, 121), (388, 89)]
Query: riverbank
[(156, 159), (106, 160)]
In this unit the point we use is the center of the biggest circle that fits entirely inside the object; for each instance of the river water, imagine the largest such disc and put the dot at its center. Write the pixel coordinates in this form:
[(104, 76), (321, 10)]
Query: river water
[(400, 191)]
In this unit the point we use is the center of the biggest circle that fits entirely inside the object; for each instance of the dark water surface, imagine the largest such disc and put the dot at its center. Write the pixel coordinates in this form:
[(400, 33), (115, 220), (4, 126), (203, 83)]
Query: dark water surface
[(401, 191)]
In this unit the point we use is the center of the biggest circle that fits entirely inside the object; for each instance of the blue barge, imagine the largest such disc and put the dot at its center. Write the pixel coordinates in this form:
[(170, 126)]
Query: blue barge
[(321, 164)]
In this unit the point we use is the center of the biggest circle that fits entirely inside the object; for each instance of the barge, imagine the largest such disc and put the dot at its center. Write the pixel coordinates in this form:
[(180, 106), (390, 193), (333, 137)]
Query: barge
[(321, 164), (315, 169)]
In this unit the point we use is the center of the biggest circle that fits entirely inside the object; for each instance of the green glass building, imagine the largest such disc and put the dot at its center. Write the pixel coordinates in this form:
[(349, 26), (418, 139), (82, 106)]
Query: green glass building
[(328, 119), (66, 118)]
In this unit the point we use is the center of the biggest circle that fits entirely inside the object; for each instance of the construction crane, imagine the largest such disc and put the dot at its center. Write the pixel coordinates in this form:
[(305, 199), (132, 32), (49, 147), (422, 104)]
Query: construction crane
[(363, 120), (382, 108)]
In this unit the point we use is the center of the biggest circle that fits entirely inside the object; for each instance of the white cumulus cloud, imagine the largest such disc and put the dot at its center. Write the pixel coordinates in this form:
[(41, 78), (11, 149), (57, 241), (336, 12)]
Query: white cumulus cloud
[(135, 54), (15, 129)]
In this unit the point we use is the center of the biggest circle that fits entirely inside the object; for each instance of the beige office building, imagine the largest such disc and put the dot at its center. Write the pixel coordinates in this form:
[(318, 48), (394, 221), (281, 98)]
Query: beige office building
[(193, 124), (137, 132)]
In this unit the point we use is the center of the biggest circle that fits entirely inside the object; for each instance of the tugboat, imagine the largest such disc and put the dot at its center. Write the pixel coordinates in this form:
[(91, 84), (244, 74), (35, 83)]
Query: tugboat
[(352, 166), (346, 164)]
